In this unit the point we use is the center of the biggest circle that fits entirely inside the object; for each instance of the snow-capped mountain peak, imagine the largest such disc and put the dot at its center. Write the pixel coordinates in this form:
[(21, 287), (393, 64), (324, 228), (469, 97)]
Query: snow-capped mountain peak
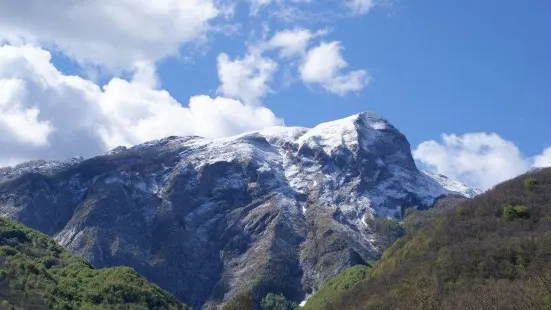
[(226, 210)]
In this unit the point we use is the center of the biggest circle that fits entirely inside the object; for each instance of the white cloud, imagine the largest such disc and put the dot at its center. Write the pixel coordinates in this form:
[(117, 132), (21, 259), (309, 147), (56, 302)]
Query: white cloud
[(320, 11), (323, 65), (46, 114), (112, 34), (360, 6), (292, 42), (543, 160), (247, 78), (17, 120), (257, 4), (479, 159)]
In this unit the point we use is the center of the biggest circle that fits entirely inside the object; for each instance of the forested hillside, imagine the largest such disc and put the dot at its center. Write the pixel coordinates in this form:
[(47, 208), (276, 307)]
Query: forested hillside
[(491, 252), (36, 273)]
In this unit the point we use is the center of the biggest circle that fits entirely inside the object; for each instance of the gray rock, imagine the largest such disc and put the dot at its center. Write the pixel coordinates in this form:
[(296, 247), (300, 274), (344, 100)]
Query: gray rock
[(282, 210)]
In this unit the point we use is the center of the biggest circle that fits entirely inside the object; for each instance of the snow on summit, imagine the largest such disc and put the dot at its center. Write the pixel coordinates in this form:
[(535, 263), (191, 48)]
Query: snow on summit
[(270, 193), (367, 131)]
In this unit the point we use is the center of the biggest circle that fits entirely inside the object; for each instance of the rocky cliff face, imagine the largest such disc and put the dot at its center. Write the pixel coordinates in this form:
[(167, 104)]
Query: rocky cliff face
[(281, 210)]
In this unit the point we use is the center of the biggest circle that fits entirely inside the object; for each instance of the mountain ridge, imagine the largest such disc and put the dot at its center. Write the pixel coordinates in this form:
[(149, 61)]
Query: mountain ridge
[(489, 252), (280, 210), (299, 134)]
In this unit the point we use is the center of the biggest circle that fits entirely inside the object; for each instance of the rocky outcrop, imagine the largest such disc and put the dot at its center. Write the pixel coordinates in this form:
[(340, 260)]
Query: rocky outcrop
[(281, 210)]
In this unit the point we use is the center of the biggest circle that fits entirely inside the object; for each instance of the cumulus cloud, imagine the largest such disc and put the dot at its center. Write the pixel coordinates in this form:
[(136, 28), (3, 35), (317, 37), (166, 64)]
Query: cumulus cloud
[(18, 121), (323, 65), (112, 34), (246, 78), (292, 42), (543, 160), (46, 114), (479, 159)]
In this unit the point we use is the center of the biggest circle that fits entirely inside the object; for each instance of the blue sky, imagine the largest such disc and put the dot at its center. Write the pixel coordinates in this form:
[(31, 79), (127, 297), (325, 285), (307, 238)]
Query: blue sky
[(453, 66), (478, 72)]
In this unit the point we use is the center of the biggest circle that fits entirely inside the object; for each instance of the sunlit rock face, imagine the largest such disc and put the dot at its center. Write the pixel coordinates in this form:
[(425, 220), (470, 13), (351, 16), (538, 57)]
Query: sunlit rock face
[(281, 210)]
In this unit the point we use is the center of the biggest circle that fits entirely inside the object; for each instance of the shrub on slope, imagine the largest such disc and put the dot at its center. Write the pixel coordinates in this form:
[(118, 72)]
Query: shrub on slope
[(491, 252), (36, 273), (337, 286)]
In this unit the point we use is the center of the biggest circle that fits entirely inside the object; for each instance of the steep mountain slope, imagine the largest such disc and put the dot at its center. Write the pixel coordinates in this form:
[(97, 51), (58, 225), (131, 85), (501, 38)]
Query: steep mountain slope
[(491, 252), (36, 273), (282, 210), (335, 287)]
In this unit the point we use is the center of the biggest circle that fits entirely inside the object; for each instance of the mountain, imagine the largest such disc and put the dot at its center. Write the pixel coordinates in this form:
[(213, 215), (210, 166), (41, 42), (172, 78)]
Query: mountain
[(278, 211), (489, 252), (36, 273)]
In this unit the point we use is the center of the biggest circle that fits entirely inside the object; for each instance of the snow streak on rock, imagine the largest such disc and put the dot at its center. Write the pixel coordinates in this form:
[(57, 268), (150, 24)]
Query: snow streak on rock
[(204, 217)]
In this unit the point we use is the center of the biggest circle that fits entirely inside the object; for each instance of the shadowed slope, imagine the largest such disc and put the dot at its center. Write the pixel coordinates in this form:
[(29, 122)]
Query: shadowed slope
[(490, 252)]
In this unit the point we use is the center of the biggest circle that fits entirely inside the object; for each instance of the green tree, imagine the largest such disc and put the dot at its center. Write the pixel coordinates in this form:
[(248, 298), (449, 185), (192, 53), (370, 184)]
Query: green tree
[(529, 183), (515, 212), (277, 302), (36, 273)]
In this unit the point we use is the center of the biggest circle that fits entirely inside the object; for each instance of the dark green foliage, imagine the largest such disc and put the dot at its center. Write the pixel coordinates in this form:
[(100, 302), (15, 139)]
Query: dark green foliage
[(470, 257), (530, 183), (515, 212), (337, 286), (4, 304), (386, 230), (36, 273), (277, 302), (415, 219)]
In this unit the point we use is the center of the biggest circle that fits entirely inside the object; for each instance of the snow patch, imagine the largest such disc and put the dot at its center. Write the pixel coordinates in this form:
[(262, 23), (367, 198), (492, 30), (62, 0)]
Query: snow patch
[(303, 303)]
